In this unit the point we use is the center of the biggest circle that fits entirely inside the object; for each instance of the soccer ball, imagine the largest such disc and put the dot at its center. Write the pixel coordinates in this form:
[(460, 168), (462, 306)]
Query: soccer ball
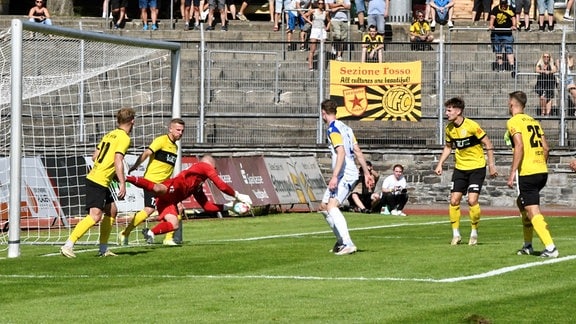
[(241, 208)]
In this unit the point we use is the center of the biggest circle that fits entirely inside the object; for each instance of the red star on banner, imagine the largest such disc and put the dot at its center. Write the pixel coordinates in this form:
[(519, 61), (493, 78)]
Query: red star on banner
[(356, 102)]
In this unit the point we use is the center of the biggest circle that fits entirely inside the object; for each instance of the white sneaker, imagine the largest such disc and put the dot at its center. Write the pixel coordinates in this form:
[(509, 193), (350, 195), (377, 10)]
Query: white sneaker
[(456, 240), (169, 243), (473, 240), (395, 212), (347, 249), (450, 24), (148, 236), (549, 254), (401, 213), (433, 24), (108, 253), (385, 211), (67, 252), (568, 18)]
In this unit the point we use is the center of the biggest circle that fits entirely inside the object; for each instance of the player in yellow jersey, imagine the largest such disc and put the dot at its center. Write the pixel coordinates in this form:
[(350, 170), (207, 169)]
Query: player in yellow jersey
[(529, 165), (468, 140), (162, 154), (108, 164)]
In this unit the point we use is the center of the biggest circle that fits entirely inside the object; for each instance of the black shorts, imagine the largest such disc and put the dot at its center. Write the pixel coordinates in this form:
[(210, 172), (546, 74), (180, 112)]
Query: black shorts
[(530, 187), (116, 4), (97, 196), (468, 180), (149, 199)]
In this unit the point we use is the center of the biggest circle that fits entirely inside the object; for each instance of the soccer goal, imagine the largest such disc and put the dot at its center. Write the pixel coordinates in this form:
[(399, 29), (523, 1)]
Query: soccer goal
[(60, 90)]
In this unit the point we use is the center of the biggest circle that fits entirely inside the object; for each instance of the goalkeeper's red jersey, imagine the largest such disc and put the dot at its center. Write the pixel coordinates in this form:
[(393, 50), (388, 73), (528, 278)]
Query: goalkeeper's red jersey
[(190, 181)]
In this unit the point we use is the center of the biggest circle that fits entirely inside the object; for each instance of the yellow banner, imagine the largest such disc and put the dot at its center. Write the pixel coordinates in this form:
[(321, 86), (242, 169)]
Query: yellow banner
[(377, 91)]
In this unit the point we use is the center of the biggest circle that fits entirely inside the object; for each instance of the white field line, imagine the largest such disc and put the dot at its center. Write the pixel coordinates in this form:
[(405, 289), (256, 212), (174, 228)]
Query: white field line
[(487, 274)]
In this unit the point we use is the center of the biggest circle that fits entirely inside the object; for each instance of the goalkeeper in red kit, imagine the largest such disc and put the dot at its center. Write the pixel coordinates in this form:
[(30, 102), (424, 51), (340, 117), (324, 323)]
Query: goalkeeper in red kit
[(187, 183)]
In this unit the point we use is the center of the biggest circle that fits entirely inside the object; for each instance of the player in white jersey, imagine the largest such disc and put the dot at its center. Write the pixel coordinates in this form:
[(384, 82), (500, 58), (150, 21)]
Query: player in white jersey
[(345, 150)]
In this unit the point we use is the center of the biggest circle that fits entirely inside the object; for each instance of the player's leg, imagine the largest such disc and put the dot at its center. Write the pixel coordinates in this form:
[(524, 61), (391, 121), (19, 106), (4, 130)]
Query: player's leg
[(139, 217), (459, 187), (110, 212), (476, 180), (95, 203), (340, 223), (527, 229)]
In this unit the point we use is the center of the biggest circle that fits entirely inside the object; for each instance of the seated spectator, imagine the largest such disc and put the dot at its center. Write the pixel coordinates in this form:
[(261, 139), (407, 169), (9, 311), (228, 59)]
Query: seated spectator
[(420, 33), (442, 11), (545, 83), (569, 82), (394, 192), (363, 199), (39, 13), (373, 46)]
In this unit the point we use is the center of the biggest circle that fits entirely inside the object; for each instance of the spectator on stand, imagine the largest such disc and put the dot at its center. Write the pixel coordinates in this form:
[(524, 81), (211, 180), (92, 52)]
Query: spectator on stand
[(278, 6), (429, 15), (105, 9), (569, 81), (442, 11), (480, 7), (377, 14), (39, 13), (523, 14), (421, 33), (360, 10), (545, 7), (546, 82), (118, 11), (304, 6), (363, 199), (339, 10), (295, 20), (567, 16), (240, 15), (372, 46), (394, 192), (320, 21), (144, 5), (221, 6), (502, 23)]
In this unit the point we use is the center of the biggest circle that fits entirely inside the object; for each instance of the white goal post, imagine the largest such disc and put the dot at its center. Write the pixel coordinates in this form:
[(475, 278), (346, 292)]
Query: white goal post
[(59, 92)]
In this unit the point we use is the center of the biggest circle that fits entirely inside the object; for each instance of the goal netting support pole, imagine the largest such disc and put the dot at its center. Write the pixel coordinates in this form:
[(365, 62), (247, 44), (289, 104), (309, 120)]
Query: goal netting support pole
[(59, 92)]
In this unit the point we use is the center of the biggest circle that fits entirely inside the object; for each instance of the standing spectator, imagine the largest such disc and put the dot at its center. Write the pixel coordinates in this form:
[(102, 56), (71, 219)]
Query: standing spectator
[(105, 8), (162, 154), (545, 82), (320, 21), (108, 164), (278, 6), (221, 6), (569, 5), (39, 13), (304, 6), (482, 6), (144, 5), (363, 199), (523, 14), (502, 23), (394, 192), (295, 20), (529, 169), (442, 11), (360, 12), (466, 137), (345, 150), (185, 9), (569, 79), (372, 46), (172, 192), (377, 14), (421, 33), (118, 12), (240, 15), (339, 10), (545, 7)]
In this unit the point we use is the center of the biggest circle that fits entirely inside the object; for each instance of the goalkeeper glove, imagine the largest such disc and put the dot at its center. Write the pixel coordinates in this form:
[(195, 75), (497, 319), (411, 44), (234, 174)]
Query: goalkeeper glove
[(243, 198)]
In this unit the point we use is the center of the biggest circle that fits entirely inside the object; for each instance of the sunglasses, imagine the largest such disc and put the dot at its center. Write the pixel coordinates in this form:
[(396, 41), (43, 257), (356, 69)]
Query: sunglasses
[(546, 56)]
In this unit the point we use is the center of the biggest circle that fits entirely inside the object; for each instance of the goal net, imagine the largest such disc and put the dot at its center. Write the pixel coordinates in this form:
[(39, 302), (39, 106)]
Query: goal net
[(68, 86)]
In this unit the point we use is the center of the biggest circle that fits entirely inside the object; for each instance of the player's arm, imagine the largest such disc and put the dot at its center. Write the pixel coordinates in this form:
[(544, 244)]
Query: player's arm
[(119, 168), (146, 154), (443, 157), (545, 147), (368, 178), (517, 157), (490, 153)]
